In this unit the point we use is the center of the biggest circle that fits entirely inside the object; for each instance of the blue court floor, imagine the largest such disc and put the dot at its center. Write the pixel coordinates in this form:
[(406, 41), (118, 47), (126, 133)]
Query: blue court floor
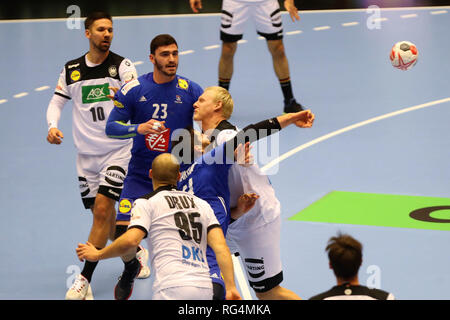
[(340, 68)]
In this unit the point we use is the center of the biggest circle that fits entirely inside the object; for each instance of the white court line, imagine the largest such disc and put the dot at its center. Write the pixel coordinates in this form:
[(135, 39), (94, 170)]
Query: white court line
[(136, 63), (407, 16), (242, 41), (321, 28), (350, 24), (20, 95), (346, 129), (380, 19), (42, 88), (438, 12), (240, 277), (214, 46), (290, 33), (185, 52), (3, 101)]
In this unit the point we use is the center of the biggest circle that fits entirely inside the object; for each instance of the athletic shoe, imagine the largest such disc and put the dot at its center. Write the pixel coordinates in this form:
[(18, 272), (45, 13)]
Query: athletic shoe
[(292, 107), (80, 290), (142, 256), (124, 286)]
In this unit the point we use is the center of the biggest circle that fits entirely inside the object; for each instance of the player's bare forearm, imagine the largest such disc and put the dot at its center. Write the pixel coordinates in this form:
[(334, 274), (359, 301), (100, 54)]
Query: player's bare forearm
[(216, 241), (303, 119), (119, 247)]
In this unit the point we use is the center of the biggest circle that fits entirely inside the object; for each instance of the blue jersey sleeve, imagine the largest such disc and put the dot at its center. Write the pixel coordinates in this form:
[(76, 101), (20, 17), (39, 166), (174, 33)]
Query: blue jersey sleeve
[(117, 125), (196, 90)]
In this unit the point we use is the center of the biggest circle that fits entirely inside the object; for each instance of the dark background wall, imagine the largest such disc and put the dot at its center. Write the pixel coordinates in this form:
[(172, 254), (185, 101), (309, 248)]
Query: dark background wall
[(28, 9)]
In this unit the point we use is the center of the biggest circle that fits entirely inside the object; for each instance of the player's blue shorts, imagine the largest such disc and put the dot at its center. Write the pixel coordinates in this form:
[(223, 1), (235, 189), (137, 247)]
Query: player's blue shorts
[(135, 186)]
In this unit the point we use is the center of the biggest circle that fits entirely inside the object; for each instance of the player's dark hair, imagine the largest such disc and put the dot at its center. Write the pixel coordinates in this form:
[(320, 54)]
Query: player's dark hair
[(95, 15), (161, 40), (345, 255)]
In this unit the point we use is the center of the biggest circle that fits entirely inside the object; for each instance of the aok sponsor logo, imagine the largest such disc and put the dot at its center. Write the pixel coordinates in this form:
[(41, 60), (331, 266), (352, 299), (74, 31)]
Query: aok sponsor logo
[(95, 93)]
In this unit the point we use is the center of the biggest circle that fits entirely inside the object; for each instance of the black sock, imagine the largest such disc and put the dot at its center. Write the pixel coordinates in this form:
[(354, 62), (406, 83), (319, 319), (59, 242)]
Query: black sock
[(120, 230), (286, 87), (224, 83), (88, 269), (132, 265)]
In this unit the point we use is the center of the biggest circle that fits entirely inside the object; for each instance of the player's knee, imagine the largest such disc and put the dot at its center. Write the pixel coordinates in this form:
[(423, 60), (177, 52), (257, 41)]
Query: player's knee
[(276, 48), (102, 212), (228, 49)]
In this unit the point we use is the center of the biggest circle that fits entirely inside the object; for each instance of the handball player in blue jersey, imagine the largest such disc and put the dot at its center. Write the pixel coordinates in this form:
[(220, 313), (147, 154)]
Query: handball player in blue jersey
[(207, 175), (148, 110)]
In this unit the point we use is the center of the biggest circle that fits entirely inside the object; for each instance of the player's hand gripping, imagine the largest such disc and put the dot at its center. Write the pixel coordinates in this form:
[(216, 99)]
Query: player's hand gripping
[(54, 136), (87, 252), (152, 126), (303, 119)]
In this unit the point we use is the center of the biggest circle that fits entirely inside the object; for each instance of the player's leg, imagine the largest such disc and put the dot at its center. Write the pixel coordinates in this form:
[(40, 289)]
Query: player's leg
[(277, 293), (261, 257), (233, 19), (88, 179), (269, 25), (134, 262)]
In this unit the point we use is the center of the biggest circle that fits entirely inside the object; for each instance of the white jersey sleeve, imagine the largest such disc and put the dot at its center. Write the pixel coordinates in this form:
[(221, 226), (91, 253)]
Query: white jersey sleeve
[(141, 215), (58, 101), (127, 71), (250, 180)]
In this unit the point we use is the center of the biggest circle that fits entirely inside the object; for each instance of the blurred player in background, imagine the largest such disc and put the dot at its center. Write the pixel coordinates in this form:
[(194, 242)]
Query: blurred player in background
[(148, 110), (101, 162), (267, 17), (345, 259)]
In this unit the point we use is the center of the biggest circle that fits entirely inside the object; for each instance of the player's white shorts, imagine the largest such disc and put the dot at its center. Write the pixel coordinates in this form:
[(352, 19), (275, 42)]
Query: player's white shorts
[(102, 174), (184, 293), (266, 16), (259, 250)]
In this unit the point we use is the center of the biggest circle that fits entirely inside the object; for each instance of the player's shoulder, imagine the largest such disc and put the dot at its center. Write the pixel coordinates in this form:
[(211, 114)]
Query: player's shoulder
[(187, 84), (74, 63)]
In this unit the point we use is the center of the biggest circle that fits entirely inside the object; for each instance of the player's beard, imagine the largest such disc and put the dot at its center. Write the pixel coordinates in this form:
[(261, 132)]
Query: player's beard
[(163, 70), (101, 46)]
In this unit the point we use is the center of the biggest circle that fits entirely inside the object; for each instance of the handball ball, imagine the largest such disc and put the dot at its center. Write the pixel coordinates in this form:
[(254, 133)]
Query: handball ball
[(404, 55)]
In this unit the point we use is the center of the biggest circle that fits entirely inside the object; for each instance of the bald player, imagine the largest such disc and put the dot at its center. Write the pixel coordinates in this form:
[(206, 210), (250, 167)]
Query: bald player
[(178, 226)]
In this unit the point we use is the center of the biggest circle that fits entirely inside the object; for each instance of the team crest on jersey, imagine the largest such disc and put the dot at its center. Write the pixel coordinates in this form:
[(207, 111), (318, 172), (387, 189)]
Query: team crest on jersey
[(158, 142), (178, 99), (112, 71), (125, 206), (75, 75), (182, 84)]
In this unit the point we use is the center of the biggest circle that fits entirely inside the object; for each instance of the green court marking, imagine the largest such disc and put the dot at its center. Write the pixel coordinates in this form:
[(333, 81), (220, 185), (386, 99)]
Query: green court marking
[(376, 210)]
